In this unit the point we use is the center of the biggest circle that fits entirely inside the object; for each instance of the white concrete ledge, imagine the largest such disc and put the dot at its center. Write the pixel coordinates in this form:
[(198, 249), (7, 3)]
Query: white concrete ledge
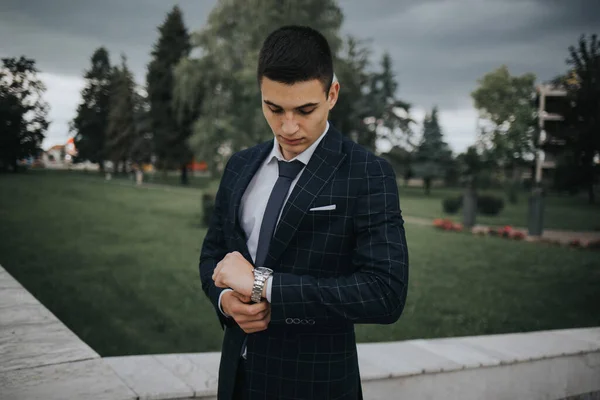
[(42, 359)]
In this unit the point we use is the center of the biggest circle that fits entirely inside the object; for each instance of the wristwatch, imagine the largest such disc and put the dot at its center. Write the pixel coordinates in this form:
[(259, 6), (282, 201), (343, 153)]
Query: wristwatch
[(261, 274)]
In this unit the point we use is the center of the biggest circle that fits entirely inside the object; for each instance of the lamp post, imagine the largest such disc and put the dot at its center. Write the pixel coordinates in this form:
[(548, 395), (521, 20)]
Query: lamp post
[(536, 200)]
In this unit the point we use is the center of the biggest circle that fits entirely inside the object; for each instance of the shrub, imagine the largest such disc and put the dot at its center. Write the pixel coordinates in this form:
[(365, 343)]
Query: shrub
[(489, 205), (594, 244), (451, 205)]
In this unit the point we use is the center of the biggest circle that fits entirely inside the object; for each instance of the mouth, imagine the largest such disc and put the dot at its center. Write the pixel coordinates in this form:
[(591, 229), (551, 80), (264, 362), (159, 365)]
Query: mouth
[(290, 142)]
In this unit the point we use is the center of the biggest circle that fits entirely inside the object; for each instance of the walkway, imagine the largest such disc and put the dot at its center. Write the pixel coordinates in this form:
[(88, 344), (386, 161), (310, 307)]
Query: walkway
[(562, 236)]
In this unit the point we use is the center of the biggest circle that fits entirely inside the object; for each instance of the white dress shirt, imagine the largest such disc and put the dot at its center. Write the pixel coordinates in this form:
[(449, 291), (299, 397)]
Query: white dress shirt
[(255, 198)]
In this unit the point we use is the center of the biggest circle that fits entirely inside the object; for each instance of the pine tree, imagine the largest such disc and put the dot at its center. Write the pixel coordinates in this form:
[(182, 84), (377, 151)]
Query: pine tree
[(90, 124), (433, 153), (391, 114), (121, 130), (170, 133)]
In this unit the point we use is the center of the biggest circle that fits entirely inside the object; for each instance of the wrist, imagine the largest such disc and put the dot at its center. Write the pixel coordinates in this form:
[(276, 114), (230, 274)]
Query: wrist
[(223, 303)]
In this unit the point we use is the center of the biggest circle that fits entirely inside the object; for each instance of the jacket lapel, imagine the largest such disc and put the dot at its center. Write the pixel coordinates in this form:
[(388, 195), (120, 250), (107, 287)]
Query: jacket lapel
[(253, 162), (320, 169)]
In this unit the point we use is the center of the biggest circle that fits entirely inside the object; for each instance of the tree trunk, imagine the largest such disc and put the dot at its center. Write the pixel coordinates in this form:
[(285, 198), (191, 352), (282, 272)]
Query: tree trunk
[(589, 178), (514, 184), (469, 206), (184, 174), (427, 182)]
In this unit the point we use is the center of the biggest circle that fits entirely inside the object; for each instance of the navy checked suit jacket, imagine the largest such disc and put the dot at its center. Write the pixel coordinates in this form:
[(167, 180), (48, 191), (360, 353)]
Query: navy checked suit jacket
[(332, 269)]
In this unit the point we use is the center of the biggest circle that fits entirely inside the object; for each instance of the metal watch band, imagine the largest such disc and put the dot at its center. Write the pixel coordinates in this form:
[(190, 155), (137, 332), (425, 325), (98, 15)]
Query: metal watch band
[(260, 278)]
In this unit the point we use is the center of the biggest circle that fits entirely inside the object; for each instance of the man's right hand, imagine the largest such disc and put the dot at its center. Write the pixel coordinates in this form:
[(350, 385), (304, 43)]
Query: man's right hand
[(254, 317)]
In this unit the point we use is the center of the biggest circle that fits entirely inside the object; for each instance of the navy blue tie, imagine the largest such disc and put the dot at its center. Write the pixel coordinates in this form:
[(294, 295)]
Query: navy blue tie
[(287, 173)]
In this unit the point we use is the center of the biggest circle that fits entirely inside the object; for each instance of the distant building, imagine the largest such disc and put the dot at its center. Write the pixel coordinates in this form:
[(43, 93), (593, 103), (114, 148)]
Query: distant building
[(552, 102), (60, 156)]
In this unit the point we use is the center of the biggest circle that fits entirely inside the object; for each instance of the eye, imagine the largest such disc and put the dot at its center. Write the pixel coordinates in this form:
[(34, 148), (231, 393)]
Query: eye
[(306, 112), (276, 110)]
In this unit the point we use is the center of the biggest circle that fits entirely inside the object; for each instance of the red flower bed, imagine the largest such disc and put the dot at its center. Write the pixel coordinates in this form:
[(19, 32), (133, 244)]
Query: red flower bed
[(510, 233), (447, 225), (518, 235)]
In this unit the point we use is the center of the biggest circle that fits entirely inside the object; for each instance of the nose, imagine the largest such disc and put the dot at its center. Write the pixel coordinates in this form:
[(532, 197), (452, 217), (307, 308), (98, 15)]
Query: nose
[(289, 126)]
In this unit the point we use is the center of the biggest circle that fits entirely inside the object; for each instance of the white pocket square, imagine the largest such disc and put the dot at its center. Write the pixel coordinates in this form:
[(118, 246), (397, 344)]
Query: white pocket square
[(323, 208)]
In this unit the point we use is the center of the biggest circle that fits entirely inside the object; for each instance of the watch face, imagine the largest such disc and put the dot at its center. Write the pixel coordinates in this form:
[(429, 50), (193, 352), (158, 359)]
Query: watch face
[(264, 270)]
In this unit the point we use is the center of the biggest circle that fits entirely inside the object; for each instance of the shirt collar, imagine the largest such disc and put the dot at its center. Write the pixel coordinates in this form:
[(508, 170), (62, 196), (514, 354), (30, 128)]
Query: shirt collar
[(303, 157)]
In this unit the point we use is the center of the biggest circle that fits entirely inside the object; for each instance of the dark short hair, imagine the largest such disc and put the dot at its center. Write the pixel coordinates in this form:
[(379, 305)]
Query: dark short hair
[(293, 54)]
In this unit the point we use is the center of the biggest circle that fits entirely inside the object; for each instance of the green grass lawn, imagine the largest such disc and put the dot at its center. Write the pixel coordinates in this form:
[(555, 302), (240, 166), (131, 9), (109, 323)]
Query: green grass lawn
[(119, 266), (561, 212)]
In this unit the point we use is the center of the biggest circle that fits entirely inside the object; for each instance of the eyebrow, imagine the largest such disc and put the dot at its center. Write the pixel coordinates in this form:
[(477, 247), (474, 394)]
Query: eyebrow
[(297, 108)]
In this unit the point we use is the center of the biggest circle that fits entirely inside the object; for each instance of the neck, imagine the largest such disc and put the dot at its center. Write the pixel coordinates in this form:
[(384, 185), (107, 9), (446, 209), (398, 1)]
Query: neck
[(287, 156)]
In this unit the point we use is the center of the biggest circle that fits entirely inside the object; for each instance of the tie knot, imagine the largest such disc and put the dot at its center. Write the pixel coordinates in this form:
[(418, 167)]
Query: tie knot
[(290, 169)]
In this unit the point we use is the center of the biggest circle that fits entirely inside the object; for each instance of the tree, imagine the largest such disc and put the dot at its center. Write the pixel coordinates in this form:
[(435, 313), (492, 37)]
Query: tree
[(352, 109), (392, 118), (121, 130), (505, 103), (226, 71), (91, 121), (170, 133), (23, 113), (368, 109), (401, 160), (583, 118), (142, 145), (433, 154)]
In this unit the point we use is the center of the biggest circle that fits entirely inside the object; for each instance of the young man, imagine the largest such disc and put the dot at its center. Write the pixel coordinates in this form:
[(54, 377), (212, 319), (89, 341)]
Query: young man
[(306, 239)]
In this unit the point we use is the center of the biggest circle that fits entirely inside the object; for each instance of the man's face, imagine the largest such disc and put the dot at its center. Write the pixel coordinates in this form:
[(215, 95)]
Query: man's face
[(297, 114)]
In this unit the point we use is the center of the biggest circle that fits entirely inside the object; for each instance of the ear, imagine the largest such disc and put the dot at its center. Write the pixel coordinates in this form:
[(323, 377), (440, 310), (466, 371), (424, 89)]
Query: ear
[(334, 92)]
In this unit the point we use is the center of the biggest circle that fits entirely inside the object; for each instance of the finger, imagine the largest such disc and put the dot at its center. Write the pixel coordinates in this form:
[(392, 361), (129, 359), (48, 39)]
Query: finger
[(251, 310), (220, 284), (242, 318), (242, 297), (251, 327), (219, 281), (257, 308), (216, 271)]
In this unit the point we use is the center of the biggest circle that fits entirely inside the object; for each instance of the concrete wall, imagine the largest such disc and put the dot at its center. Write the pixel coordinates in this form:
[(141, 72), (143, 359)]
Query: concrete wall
[(40, 358)]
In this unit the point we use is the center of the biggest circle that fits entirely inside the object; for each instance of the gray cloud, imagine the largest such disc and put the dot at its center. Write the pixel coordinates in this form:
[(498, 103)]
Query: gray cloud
[(62, 34), (439, 47)]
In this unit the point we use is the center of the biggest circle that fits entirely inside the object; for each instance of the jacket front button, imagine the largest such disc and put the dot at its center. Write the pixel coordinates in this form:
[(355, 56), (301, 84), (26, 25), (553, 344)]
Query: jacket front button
[(296, 320), (289, 321)]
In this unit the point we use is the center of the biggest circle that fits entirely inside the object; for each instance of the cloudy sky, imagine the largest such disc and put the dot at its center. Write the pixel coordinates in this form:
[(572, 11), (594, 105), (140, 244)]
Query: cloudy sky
[(439, 47)]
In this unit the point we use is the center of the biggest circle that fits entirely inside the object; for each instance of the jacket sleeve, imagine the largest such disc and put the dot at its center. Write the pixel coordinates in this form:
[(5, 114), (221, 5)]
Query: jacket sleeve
[(214, 250), (376, 291)]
